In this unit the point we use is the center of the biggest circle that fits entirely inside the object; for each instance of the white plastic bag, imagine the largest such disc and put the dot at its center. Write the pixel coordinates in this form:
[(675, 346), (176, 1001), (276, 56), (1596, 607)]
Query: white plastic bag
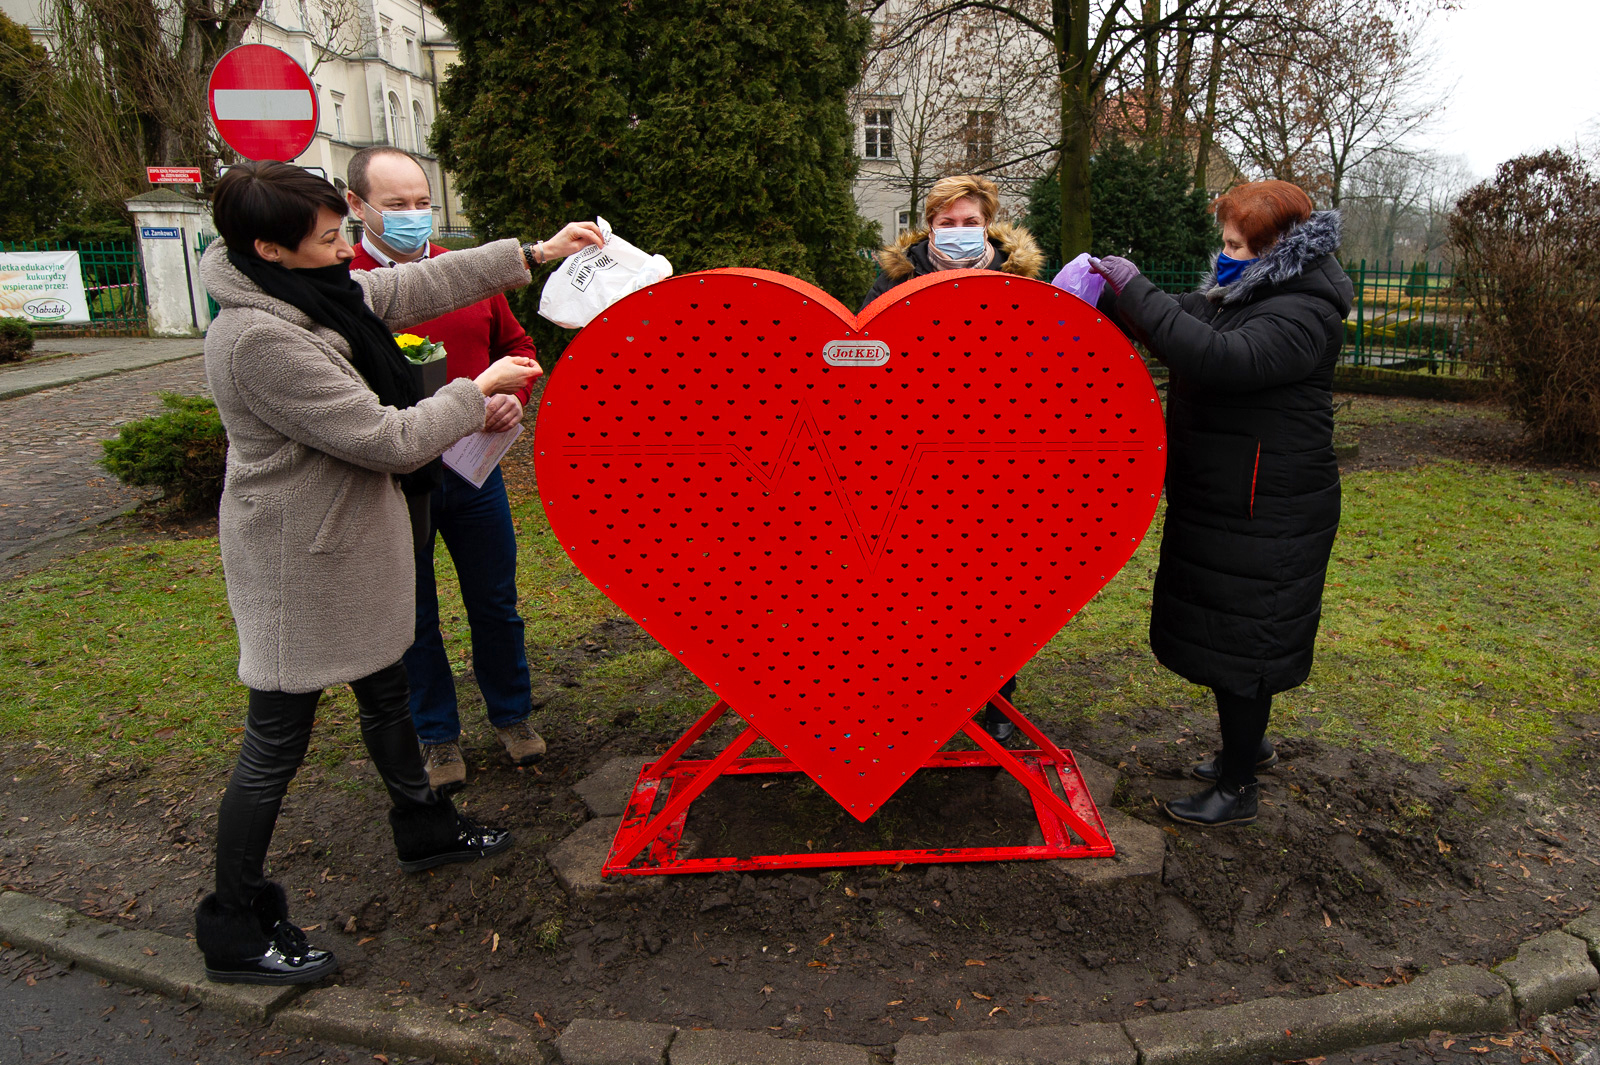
[(596, 277), (1078, 279)]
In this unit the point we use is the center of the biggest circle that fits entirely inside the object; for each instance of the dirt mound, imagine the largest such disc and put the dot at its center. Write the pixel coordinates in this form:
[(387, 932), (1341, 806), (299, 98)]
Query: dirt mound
[(1362, 869)]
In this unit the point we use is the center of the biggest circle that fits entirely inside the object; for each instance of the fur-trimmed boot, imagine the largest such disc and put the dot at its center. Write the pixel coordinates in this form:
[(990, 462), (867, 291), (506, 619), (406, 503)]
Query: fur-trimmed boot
[(258, 945), (438, 835)]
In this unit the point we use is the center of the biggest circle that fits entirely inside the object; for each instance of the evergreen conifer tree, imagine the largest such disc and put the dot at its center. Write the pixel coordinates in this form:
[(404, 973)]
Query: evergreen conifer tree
[(37, 193), (1144, 208), (715, 132)]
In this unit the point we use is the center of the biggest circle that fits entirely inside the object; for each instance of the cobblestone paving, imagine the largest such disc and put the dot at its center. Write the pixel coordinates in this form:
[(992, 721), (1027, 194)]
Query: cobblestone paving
[(50, 441)]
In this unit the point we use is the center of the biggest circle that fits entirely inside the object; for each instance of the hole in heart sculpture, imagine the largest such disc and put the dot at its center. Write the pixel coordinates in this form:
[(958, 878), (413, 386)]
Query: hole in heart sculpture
[(886, 547)]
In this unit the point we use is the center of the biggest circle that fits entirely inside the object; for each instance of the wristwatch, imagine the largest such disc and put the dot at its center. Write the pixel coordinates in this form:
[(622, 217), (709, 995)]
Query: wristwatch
[(532, 254)]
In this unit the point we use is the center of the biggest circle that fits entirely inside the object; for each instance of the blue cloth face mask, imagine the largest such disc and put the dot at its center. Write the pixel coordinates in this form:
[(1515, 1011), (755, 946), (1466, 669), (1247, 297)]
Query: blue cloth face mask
[(1229, 270), (961, 243), (406, 231)]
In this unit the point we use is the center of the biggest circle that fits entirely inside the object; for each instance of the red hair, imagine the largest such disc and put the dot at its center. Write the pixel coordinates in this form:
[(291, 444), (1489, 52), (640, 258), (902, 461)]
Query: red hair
[(1262, 211)]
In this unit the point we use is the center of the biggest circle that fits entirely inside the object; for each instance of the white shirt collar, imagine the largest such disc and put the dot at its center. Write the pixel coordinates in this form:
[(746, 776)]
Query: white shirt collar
[(383, 258)]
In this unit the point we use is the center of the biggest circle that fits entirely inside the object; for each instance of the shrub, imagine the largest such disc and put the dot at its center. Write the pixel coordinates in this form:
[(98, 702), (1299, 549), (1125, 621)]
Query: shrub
[(16, 339), (183, 451), (1528, 247), (1435, 337)]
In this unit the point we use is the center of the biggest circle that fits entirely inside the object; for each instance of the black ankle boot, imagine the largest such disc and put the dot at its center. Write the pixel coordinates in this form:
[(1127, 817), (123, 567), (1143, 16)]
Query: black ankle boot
[(997, 724), (466, 841), (1266, 758), (1220, 804), (258, 945)]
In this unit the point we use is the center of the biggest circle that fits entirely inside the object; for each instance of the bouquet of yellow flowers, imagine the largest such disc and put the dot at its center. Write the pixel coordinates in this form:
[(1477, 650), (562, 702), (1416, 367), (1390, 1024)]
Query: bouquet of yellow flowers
[(419, 350)]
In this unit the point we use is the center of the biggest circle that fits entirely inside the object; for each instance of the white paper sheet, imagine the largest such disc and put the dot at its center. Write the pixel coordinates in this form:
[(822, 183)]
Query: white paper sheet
[(475, 457)]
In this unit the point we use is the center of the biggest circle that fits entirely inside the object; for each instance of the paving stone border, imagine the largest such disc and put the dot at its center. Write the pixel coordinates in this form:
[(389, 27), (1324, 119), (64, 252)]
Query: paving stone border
[(1549, 974), (93, 358)]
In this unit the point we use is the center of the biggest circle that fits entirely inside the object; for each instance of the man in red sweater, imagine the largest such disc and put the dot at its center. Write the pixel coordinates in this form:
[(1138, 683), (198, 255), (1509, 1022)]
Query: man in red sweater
[(389, 192)]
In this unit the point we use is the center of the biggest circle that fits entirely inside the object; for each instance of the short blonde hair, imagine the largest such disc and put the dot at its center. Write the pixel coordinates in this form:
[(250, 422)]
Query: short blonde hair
[(948, 190)]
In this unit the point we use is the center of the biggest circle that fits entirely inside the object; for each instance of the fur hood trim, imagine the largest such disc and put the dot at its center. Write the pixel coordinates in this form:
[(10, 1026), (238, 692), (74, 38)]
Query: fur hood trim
[(1297, 249), (1023, 256)]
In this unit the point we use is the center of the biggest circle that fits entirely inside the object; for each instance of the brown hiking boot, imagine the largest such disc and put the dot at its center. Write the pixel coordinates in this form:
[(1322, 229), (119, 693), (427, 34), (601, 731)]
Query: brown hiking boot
[(447, 770), (524, 745)]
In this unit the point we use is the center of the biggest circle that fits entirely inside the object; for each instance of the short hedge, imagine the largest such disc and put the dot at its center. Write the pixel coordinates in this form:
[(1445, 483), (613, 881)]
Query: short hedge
[(16, 339), (183, 451)]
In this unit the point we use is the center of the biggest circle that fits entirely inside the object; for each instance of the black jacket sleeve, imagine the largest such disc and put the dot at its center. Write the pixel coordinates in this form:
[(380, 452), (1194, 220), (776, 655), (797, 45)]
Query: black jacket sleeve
[(1271, 347), (883, 284)]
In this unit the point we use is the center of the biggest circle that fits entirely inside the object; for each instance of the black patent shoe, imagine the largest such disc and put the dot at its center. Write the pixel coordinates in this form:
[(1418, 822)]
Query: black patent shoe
[(1266, 758), (473, 841), (1220, 804), (289, 960)]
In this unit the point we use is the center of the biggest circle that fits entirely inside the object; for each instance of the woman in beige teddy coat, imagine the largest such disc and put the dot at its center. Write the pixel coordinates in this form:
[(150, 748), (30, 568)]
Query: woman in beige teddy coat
[(327, 433)]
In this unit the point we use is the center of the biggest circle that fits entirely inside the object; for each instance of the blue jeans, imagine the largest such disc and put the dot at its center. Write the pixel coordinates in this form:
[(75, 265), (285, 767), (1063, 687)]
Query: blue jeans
[(476, 526)]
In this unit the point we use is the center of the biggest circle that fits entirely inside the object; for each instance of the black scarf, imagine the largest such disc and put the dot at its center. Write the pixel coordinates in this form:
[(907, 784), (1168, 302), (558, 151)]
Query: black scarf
[(329, 296)]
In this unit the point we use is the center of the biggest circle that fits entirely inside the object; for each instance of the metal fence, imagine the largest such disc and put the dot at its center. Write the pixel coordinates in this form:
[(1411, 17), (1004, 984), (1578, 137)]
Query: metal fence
[(1407, 316), (113, 282), (1411, 317), (203, 241)]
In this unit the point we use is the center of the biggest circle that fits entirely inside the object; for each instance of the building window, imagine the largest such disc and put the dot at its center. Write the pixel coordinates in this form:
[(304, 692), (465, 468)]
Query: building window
[(979, 136), (411, 54), (419, 123), (330, 21), (905, 222), (338, 116), (880, 134), (394, 121), (386, 40), (305, 19)]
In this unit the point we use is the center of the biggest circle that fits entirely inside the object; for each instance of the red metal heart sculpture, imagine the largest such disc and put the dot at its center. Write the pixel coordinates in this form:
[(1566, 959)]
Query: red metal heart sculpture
[(854, 529)]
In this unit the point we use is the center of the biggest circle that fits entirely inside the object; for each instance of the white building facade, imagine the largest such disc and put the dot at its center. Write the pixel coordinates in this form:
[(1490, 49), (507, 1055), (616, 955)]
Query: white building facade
[(376, 64), (968, 96), (972, 94)]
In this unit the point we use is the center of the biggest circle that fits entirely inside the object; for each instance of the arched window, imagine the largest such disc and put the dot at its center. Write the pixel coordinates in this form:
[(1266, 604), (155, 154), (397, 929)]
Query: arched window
[(394, 121), (419, 125)]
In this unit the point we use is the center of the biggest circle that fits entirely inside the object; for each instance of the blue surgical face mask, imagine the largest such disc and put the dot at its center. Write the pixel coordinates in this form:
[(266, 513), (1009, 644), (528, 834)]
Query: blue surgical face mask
[(406, 231), (961, 243), (1229, 270)]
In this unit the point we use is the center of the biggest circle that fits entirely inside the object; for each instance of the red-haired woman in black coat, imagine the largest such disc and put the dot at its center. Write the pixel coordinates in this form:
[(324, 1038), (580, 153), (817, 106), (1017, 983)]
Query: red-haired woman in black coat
[(1252, 481)]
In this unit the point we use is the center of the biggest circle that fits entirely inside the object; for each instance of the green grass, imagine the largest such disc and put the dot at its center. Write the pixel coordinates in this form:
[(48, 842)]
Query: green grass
[(131, 651), (1458, 627), (1365, 411)]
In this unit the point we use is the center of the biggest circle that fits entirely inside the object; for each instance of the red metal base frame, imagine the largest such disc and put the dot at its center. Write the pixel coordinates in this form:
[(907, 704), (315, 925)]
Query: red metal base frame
[(646, 843)]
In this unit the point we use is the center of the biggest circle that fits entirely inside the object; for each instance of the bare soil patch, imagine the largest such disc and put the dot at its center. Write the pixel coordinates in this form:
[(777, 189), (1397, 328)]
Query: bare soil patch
[(1363, 869)]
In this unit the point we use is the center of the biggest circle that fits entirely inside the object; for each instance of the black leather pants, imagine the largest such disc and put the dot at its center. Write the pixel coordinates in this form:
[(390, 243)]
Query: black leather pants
[(277, 731)]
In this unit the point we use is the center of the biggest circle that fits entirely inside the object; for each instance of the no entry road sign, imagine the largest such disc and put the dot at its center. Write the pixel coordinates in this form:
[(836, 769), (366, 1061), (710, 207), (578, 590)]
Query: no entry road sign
[(263, 103)]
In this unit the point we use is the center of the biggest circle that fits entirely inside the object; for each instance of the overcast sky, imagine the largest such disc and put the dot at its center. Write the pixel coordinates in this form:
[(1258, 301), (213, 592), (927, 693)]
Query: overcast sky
[(1526, 74)]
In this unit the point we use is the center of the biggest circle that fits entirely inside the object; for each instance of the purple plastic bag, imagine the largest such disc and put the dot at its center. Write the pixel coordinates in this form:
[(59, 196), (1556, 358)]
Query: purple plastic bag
[(1078, 279)]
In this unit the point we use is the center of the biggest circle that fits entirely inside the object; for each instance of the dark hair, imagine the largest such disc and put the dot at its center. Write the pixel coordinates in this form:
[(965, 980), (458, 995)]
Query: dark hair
[(356, 173), (1263, 211), (270, 201)]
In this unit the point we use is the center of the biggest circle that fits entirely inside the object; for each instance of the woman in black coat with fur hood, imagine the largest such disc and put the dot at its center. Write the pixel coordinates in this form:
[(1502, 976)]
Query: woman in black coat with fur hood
[(1252, 481)]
